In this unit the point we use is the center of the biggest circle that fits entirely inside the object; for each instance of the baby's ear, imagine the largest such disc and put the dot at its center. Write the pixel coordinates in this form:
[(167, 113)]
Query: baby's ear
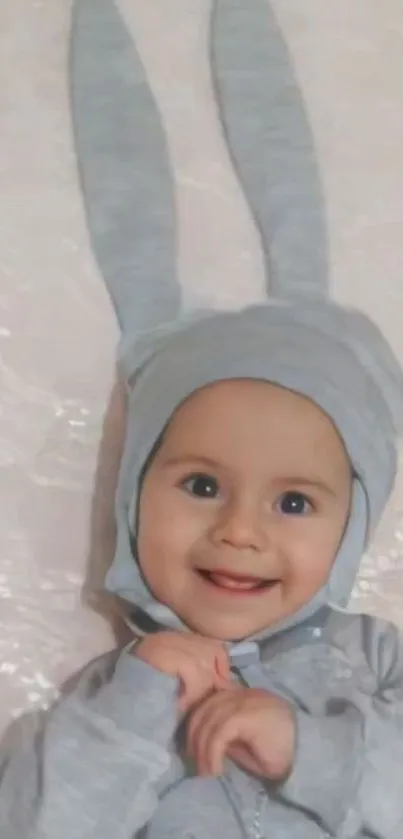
[(125, 172)]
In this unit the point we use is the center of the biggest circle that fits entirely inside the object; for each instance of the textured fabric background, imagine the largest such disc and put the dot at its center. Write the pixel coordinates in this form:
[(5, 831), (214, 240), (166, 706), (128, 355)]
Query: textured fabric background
[(57, 326)]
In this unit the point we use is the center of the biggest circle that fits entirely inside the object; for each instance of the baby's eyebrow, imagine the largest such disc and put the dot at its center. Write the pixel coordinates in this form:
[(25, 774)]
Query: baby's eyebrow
[(182, 460), (314, 483)]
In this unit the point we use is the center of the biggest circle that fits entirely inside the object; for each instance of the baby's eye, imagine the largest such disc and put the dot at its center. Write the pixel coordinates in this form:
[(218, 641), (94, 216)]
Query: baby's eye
[(203, 486), (294, 503)]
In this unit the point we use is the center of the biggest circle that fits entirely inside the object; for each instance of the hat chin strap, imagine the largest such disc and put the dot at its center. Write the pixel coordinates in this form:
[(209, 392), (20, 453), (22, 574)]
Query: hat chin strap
[(346, 565)]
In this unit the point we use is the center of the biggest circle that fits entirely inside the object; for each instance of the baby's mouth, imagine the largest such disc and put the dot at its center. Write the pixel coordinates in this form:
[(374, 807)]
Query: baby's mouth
[(235, 582)]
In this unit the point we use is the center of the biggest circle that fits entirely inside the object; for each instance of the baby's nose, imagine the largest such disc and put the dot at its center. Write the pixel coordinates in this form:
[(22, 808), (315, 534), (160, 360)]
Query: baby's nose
[(240, 526)]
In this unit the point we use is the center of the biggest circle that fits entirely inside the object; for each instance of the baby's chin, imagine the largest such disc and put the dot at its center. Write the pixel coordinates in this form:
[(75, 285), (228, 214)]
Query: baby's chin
[(228, 626), (225, 629)]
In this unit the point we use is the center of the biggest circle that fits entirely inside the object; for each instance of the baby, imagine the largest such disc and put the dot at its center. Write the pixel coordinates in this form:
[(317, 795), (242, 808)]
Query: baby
[(260, 453)]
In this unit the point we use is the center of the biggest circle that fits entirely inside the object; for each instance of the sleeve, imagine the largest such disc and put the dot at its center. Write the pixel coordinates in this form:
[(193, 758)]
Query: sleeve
[(92, 766), (381, 787), (348, 765)]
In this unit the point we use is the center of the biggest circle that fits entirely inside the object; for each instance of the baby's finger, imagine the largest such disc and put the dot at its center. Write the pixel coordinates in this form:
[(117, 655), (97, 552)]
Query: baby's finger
[(214, 765), (199, 719), (184, 700), (243, 757), (221, 684), (218, 743), (222, 663), (196, 683), (210, 719)]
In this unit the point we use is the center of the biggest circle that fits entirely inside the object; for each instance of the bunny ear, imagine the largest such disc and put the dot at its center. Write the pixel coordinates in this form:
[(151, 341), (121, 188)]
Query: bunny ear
[(271, 143), (125, 172)]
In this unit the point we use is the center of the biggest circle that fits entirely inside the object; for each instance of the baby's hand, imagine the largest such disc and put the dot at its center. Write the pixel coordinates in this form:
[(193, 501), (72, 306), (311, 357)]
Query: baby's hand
[(255, 728), (201, 664)]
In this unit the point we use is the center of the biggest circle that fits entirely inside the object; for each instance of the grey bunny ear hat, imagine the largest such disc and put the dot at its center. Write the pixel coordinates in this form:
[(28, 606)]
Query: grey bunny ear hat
[(125, 168), (334, 356)]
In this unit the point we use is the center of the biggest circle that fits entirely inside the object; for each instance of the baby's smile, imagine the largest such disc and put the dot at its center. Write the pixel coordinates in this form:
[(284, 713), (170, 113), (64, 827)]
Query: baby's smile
[(229, 582)]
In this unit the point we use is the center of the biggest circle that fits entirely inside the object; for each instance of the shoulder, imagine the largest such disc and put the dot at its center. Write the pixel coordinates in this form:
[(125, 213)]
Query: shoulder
[(95, 673), (369, 640)]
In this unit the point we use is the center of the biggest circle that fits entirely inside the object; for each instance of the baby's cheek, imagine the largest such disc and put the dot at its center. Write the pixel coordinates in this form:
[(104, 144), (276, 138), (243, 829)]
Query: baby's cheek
[(310, 562), (164, 550)]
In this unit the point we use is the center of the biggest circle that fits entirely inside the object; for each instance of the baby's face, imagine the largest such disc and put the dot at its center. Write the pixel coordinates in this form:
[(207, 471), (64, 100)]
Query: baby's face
[(243, 508)]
